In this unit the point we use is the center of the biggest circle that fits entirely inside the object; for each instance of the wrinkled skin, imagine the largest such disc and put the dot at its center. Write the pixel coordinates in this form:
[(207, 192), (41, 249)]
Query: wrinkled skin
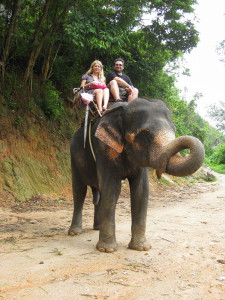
[(128, 138)]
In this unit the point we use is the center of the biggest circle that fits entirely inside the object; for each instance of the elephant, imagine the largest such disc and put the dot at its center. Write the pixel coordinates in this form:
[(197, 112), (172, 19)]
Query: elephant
[(127, 140)]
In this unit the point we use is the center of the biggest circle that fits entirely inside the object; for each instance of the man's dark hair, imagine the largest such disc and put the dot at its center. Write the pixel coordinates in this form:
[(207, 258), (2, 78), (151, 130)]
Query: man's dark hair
[(118, 59)]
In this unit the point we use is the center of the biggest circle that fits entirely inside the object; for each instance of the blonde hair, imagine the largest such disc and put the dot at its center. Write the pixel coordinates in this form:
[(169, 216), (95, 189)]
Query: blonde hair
[(101, 72)]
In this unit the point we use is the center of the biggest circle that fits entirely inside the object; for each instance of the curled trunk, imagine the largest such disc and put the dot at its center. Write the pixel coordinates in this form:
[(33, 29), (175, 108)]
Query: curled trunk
[(171, 162)]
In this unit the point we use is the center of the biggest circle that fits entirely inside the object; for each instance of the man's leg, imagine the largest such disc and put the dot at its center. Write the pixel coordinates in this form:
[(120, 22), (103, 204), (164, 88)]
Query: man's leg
[(114, 89), (133, 96)]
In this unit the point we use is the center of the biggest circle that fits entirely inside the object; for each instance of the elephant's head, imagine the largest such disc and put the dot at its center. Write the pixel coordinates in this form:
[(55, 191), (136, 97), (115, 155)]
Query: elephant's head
[(144, 130)]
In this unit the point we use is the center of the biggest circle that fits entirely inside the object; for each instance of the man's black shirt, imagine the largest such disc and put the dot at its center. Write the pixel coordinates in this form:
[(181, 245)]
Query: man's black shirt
[(112, 74)]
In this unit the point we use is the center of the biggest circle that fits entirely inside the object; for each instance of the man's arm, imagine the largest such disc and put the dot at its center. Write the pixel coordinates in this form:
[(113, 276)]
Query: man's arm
[(113, 76), (110, 76)]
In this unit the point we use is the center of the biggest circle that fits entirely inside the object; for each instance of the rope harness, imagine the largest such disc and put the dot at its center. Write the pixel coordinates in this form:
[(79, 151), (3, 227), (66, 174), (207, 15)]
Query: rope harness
[(90, 143)]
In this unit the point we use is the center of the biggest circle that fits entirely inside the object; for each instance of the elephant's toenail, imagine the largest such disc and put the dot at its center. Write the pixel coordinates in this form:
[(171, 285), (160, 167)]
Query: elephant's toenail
[(101, 249), (109, 250)]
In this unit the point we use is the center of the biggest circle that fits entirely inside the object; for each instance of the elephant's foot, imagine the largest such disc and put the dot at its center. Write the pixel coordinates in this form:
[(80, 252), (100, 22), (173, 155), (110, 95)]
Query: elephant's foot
[(74, 230), (107, 247), (96, 226), (139, 245)]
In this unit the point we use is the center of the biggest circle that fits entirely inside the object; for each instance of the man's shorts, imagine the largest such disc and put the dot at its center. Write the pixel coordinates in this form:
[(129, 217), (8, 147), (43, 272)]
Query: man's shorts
[(123, 94)]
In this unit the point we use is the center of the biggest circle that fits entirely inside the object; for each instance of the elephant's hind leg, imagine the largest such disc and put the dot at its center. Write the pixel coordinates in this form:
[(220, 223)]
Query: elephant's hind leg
[(97, 204), (79, 194)]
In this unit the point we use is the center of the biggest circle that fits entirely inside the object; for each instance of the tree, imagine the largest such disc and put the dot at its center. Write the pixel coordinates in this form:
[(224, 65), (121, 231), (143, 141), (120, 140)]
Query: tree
[(217, 113), (221, 51), (47, 24), (61, 38), (10, 15)]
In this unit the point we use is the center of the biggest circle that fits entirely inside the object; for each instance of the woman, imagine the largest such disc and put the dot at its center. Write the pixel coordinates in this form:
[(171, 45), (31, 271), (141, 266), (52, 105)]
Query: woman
[(95, 75)]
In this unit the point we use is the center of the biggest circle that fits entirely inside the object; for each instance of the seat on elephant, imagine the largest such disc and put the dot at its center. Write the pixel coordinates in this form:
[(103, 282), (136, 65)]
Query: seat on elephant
[(112, 100), (78, 103)]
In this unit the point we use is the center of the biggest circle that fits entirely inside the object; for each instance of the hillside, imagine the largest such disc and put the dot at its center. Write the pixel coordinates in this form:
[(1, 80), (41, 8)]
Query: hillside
[(34, 151)]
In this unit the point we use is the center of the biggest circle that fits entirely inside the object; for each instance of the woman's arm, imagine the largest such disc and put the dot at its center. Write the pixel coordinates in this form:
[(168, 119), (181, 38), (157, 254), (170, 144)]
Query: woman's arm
[(85, 85)]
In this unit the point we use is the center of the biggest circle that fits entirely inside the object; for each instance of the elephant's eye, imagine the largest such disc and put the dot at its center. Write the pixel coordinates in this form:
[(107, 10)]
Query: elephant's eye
[(144, 135)]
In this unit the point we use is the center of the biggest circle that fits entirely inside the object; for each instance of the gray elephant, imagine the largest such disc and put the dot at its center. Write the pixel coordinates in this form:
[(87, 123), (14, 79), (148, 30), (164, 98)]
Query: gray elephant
[(129, 138)]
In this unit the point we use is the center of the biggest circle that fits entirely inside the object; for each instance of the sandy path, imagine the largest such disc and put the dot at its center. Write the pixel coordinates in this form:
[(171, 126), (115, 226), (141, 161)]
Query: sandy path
[(186, 228)]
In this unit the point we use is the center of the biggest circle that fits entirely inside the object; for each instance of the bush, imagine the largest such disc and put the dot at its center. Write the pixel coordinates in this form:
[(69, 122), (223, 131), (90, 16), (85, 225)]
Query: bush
[(218, 157), (50, 103), (218, 168)]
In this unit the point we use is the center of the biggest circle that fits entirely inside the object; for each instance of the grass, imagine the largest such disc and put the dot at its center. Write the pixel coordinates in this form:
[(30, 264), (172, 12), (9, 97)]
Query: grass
[(57, 251), (210, 179), (218, 168), (163, 180)]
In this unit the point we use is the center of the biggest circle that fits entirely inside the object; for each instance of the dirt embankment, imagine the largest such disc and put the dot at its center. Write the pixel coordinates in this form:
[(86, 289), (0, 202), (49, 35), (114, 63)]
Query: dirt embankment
[(185, 227), (34, 151)]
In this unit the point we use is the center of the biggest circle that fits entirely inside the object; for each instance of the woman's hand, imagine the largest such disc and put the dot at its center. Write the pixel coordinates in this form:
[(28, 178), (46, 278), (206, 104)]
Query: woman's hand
[(93, 82)]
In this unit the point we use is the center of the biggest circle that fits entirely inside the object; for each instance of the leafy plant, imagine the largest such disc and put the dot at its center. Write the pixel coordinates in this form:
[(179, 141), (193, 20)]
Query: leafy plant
[(50, 101), (218, 157), (18, 121), (218, 168), (57, 251)]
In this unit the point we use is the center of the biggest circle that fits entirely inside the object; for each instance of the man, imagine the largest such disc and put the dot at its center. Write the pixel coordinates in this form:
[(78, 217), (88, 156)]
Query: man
[(120, 84)]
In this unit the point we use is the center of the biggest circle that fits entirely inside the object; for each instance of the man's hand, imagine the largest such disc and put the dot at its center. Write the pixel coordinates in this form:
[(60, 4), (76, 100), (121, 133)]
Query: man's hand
[(129, 90)]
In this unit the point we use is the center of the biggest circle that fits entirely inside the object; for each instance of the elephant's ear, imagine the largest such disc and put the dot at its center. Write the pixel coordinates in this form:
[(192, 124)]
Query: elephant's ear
[(110, 129)]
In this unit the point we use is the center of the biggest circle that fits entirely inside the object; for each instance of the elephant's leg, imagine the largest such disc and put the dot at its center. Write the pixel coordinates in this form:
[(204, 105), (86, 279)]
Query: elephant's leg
[(96, 195), (139, 189), (109, 195), (97, 204), (79, 193), (97, 216)]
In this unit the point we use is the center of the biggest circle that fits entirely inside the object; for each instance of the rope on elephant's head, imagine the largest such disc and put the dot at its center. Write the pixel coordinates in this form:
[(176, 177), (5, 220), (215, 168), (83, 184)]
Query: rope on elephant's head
[(92, 151)]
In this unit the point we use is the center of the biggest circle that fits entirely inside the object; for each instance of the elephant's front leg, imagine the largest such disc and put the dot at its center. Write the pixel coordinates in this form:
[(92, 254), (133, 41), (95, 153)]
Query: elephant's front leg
[(139, 189), (79, 193), (110, 190)]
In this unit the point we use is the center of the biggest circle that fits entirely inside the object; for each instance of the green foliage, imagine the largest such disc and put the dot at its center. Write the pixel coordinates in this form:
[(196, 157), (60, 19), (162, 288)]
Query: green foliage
[(50, 102), (218, 168), (218, 156), (18, 122), (81, 31), (209, 179), (163, 180), (57, 251), (9, 85), (9, 100)]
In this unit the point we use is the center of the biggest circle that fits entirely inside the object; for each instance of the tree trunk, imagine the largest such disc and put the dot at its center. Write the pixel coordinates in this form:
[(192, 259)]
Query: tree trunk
[(9, 37), (46, 63), (33, 55), (38, 45)]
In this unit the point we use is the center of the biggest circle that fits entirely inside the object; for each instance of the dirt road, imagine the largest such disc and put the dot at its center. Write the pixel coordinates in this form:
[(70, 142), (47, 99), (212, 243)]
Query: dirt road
[(186, 228)]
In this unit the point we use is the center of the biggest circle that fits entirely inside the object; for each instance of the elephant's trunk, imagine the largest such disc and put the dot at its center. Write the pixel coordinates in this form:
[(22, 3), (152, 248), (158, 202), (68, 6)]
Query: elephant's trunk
[(171, 162)]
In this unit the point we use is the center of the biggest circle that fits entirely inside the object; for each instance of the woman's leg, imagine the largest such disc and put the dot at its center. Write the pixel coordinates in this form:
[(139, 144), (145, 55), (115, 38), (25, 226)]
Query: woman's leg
[(99, 97), (105, 98)]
